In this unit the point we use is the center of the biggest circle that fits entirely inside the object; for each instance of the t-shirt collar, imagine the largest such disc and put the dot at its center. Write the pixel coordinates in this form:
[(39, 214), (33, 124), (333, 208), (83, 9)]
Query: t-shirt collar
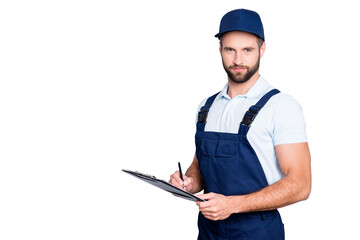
[(256, 91)]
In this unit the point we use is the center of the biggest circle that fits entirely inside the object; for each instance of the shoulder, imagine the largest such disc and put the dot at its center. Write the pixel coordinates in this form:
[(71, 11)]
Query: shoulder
[(283, 103), (203, 102), (282, 108), (288, 123), (283, 99)]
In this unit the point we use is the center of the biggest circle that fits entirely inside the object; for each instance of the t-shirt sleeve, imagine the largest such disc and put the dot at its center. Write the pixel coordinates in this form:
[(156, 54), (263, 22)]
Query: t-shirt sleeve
[(289, 122)]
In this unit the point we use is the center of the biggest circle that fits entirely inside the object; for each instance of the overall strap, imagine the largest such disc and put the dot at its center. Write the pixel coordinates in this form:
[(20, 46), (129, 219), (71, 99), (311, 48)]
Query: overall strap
[(254, 110), (203, 113)]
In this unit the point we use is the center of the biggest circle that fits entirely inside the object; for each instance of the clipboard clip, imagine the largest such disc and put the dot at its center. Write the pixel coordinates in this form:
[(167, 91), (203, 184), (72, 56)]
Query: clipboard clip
[(141, 174)]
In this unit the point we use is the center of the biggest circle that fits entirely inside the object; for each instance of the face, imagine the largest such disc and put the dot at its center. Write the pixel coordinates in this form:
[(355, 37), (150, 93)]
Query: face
[(240, 55)]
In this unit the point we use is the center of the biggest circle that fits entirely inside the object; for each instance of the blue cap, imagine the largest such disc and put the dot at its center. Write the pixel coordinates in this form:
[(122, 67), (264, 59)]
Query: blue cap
[(241, 20)]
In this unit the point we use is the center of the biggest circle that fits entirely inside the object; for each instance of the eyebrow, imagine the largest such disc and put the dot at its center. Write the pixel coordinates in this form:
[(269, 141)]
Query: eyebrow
[(250, 48)]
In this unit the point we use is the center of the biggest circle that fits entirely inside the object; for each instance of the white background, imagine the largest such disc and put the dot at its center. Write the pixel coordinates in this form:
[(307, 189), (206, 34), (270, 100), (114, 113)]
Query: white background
[(90, 87)]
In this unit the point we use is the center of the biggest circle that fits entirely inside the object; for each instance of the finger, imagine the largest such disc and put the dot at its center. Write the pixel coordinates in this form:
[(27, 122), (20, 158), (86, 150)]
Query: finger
[(175, 179), (209, 214), (206, 208), (188, 181), (206, 204), (206, 196), (172, 180)]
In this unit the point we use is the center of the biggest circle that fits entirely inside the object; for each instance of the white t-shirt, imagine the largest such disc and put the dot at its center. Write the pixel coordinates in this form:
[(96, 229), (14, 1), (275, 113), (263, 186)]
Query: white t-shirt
[(280, 121)]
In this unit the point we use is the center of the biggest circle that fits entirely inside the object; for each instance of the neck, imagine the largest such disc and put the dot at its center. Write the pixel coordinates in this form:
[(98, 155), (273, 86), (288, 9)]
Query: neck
[(242, 88)]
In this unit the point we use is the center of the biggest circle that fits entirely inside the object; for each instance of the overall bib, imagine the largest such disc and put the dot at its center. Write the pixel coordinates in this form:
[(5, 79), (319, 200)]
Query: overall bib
[(229, 166)]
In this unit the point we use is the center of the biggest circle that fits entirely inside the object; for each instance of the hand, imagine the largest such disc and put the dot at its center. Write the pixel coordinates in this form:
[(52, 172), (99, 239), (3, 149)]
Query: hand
[(177, 182), (218, 207)]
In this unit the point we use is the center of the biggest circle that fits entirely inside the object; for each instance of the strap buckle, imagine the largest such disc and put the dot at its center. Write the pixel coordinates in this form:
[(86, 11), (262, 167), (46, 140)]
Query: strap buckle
[(250, 115), (202, 116)]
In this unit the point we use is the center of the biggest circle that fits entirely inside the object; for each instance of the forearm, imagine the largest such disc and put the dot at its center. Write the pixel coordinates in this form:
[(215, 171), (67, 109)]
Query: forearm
[(287, 191), (194, 172), (294, 161)]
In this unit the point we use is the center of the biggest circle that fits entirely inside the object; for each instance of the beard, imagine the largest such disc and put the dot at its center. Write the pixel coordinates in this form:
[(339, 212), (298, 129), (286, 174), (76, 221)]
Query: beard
[(241, 77)]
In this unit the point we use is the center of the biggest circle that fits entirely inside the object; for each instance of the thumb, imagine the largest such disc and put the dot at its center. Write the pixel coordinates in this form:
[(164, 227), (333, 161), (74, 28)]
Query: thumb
[(206, 196), (188, 181)]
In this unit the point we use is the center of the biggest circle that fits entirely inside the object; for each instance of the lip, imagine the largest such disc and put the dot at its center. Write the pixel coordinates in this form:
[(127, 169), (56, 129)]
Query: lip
[(239, 69)]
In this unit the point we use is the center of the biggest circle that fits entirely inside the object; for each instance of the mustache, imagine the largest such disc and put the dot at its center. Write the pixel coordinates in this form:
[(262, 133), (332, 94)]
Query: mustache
[(238, 66)]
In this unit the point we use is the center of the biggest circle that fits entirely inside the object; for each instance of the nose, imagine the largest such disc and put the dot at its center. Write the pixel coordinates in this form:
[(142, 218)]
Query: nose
[(238, 60)]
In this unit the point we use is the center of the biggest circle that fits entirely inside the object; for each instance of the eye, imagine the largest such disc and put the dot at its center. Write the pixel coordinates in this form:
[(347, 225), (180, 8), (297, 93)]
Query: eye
[(229, 50)]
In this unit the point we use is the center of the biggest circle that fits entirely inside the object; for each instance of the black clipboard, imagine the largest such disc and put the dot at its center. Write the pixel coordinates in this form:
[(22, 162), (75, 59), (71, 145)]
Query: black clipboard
[(164, 186)]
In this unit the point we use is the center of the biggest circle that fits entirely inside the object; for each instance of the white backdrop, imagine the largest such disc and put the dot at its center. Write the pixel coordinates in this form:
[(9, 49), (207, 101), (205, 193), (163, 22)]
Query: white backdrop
[(90, 87)]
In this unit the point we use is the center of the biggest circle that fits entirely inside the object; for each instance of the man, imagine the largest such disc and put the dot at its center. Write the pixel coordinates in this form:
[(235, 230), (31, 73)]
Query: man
[(252, 155)]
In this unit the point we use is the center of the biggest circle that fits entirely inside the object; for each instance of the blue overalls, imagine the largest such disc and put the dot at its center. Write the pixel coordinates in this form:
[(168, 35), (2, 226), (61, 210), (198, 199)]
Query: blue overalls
[(229, 166)]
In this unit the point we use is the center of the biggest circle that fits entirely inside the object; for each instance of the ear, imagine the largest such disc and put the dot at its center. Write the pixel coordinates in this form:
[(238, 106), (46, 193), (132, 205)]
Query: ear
[(220, 48), (262, 49)]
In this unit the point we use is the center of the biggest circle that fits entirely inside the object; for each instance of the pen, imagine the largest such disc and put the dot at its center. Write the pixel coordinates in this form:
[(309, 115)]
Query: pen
[(181, 175)]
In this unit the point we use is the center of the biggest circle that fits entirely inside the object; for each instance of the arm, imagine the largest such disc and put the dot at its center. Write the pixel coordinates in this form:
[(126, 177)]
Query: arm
[(294, 161), (192, 178)]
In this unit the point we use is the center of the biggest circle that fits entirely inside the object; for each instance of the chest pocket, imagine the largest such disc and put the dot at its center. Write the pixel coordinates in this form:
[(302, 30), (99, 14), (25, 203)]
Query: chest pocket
[(219, 148)]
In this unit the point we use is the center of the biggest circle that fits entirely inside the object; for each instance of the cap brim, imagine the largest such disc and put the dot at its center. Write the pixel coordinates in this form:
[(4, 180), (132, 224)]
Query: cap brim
[(242, 30)]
